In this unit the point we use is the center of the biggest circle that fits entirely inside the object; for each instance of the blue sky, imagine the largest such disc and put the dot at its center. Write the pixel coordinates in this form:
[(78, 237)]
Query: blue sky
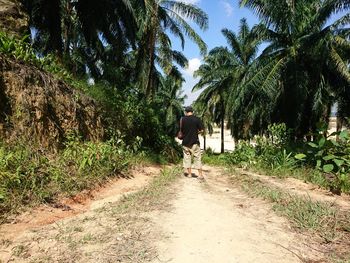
[(222, 14)]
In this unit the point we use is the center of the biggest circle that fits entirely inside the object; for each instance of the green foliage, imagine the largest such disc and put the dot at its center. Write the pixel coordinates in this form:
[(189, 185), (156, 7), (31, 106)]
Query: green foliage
[(278, 134), (275, 155), (21, 50), (244, 155), (30, 177), (211, 158), (331, 157)]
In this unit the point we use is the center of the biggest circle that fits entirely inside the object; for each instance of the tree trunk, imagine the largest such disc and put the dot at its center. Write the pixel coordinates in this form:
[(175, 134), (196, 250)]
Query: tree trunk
[(151, 49), (205, 142), (55, 42), (13, 19), (222, 133), (339, 126)]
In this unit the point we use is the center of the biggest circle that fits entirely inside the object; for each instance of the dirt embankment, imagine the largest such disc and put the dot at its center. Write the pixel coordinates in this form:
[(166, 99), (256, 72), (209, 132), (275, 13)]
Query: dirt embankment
[(34, 105)]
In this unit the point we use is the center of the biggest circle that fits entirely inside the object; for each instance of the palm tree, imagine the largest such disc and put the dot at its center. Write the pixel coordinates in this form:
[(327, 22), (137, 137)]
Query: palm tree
[(242, 48), (171, 100), (224, 70), (83, 29), (157, 19), (303, 67), (216, 79)]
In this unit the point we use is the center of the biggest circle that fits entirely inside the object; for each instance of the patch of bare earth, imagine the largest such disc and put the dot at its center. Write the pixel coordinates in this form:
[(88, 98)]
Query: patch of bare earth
[(191, 222), (216, 222), (300, 188), (51, 233), (337, 247)]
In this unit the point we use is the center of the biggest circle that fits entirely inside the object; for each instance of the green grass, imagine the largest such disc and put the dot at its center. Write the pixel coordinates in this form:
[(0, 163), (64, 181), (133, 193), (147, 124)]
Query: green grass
[(214, 159), (321, 218), (29, 177), (303, 212), (150, 195)]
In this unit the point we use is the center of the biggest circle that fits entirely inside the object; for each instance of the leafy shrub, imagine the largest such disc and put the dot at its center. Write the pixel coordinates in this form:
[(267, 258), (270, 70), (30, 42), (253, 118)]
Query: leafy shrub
[(331, 157), (278, 134), (29, 176), (21, 50), (244, 155)]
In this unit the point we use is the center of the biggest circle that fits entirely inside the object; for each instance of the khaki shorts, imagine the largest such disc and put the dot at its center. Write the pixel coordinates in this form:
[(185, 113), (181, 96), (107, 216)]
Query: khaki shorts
[(195, 150)]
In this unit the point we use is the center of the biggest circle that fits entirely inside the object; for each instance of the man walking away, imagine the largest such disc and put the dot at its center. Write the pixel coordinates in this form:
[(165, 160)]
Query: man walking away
[(191, 127)]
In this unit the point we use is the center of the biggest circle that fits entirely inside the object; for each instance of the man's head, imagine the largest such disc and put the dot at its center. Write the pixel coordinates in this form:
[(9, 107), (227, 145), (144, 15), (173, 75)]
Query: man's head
[(188, 110)]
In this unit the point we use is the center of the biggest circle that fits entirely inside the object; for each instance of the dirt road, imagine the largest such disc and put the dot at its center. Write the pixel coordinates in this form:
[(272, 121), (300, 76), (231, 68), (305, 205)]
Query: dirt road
[(212, 222), (197, 222)]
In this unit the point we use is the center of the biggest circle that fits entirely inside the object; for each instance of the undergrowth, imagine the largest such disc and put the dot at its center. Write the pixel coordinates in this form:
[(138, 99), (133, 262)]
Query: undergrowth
[(276, 155), (29, 176), (321, 218)]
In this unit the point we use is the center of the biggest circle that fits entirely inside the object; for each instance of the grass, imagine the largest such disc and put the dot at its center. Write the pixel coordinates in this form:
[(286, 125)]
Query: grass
[(321, 218), (118, 232), (214, 159), (29, 177), (151, 195)]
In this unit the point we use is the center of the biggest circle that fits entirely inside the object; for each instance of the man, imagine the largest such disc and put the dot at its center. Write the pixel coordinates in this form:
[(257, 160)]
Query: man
[(191, 126)]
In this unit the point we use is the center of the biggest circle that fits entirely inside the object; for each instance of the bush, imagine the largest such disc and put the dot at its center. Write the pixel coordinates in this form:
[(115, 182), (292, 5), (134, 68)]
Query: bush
[(29, 176), (331, 157), (325, 161)]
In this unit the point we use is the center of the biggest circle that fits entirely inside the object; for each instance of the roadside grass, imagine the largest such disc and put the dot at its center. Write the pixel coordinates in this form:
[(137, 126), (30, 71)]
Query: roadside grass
[(214, 159), (31, 176), (302, 173), (322, 219), (118, 232), (151, 197)]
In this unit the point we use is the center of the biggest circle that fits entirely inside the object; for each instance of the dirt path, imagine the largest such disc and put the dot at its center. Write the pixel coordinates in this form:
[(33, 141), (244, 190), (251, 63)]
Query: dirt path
[(214, 223), (210, 222), (300, 188)]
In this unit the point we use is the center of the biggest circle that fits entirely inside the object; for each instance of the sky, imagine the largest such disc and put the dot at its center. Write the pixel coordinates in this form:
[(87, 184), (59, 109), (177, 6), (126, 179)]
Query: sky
[(222, 14)]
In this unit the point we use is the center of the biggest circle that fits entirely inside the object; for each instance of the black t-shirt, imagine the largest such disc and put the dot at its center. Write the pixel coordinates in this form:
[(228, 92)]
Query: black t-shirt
[(191, 125)]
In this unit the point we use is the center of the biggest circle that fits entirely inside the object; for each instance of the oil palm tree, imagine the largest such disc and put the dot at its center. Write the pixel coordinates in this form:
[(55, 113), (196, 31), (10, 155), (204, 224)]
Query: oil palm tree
[(242, 48), (303, 67), (171, 99), (226, 68), (157, 19), (83, 29), (216, 77)]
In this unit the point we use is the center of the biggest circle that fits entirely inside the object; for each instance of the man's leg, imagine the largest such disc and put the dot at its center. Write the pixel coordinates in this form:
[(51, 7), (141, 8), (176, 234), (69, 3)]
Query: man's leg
[(197, 162), (187, 160)]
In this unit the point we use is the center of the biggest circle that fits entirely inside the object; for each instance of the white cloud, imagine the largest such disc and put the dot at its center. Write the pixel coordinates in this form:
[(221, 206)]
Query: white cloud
[(193, 65), (228, 7), (193, 2)]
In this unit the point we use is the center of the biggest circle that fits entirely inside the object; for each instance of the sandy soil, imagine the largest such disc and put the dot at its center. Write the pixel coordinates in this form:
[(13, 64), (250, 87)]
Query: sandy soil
[(39, 217), (204, 222), (212, 222), (295, 186)]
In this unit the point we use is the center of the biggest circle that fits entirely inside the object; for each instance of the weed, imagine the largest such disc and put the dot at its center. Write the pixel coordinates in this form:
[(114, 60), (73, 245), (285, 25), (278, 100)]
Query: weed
[(28, 176), (20, 251), (322, 218), (87, 238)]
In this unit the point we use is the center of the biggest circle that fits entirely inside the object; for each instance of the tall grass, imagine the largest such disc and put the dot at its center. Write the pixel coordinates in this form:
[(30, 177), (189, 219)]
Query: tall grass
[(29, 176)]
